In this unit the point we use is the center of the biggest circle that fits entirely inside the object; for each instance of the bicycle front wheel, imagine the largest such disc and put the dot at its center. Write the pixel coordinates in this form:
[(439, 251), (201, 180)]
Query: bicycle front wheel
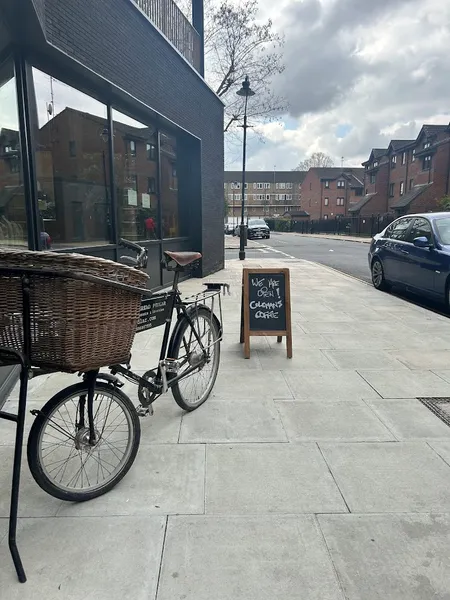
[(194, 389), (62, 460)]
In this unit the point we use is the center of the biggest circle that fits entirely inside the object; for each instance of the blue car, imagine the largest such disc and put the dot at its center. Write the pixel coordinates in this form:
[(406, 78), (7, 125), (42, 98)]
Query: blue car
[(413, 252)]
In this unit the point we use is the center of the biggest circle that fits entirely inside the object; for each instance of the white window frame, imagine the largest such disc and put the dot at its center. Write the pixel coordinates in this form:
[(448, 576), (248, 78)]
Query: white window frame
[(277, 186), (267, 186), (340, 201), (402, 188), (404, 158), (282, 186), (341, 183), (254, 186), (259, 186), (326, 201), (326, 184)]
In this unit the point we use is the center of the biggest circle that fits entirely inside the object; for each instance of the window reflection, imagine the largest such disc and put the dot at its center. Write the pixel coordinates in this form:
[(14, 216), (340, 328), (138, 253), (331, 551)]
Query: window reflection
[(72, 165), (13, 224), (169, 187), (135, 170)]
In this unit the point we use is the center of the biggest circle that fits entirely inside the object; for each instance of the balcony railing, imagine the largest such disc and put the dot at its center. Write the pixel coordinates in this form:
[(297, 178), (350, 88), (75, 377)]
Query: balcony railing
[(170, 20)]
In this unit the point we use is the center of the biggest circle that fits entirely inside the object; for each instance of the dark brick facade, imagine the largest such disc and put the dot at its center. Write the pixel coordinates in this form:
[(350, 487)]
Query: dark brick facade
[(115, 41)]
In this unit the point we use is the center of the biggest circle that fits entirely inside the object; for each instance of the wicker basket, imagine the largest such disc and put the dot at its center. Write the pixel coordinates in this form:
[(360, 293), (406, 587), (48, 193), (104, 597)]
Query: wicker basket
[(76, 325)]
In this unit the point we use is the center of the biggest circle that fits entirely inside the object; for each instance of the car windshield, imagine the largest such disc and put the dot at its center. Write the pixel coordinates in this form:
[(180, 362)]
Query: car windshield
[(257, 222), (443, 230)]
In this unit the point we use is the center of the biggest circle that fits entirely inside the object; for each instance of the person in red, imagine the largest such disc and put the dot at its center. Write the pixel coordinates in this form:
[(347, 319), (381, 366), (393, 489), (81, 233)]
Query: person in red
[(150, 226)]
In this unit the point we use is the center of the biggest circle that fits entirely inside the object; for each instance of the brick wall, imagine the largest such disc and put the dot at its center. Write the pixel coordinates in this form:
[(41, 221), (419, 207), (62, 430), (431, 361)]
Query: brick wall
[(116, 41), (380, 187), (399, 174), (311, 198)]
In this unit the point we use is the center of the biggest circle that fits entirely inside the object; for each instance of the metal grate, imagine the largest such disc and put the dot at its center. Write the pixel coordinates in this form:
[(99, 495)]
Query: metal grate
[(440, 407)]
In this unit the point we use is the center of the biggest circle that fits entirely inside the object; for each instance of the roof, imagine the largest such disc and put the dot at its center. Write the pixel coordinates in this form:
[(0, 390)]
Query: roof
[(359, 205), (266, 176), (397, 145), (375, 154), (431, 130), (331, 173), (414, 193)]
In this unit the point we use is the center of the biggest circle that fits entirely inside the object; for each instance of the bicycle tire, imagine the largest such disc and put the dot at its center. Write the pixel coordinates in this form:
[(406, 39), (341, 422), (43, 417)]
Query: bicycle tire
[(177, 388), (35, 452)]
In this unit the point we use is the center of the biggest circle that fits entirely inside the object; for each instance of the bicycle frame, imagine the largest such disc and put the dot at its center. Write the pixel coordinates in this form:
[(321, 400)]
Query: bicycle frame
[(182, 310)]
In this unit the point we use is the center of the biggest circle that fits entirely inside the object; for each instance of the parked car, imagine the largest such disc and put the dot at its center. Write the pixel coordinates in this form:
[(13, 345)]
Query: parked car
[(256, 229), (413, 252)]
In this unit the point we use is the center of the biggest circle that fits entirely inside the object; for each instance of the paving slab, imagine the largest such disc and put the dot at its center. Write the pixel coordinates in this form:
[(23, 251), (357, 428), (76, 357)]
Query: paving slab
[(229, 359), (397, 477), (323, 326), (409, 419), (406, 383), (251, 558), (165, 479), (420, 360), (301, 360), (4, 524), (33, 502), (269, 478), (445, 375), (240, 383), (356, 341), (328, 385), (85, 558), (234, 421), (390, 557), (442, 448), (363, 359), (300, 341), (351, 421)]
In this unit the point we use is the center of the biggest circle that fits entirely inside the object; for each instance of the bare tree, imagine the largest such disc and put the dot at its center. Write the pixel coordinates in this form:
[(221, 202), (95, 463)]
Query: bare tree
[(317, 159), (236, 45)]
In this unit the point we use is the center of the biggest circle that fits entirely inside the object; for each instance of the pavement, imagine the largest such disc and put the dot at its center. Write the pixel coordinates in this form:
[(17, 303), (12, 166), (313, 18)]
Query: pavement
[(343, 238), (317, 478), (232, 243)]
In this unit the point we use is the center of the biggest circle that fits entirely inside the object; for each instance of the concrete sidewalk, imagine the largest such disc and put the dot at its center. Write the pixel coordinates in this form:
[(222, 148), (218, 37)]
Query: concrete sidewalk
[(316, 478)]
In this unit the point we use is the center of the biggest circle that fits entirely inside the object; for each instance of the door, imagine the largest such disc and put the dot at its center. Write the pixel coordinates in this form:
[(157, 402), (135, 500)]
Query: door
[(425, 264), (395, 254)]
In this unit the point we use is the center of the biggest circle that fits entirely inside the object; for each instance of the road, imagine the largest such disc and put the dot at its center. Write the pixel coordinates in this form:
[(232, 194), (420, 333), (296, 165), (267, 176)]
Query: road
[(348, 257)]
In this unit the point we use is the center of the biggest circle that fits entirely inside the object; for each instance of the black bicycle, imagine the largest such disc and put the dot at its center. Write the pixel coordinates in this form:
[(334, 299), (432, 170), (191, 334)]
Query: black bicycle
[(85, 439)]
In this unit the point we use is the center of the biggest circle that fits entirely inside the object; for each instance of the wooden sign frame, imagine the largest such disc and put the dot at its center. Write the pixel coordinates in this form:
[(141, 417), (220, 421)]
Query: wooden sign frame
[(246, 333)]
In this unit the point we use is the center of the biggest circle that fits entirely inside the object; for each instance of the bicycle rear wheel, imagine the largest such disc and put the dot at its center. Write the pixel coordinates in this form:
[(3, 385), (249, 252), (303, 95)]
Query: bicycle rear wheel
[(194, 389), (61, 459)]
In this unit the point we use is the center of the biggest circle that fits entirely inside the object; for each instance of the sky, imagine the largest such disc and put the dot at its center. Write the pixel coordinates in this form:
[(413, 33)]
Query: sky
[(358, 73)]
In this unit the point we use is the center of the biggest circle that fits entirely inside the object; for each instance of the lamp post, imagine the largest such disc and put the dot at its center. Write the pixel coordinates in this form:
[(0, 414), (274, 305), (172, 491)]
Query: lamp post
[(246, 92)]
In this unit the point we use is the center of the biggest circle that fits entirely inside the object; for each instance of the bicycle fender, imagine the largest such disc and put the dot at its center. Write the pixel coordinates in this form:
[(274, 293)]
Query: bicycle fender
[(190, 310)]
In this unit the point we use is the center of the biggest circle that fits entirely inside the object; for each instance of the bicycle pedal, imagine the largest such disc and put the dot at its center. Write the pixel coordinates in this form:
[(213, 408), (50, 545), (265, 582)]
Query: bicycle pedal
[(145, 411)]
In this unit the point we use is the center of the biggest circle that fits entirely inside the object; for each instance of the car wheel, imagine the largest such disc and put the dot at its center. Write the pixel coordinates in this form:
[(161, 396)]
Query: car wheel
[(378, 280)]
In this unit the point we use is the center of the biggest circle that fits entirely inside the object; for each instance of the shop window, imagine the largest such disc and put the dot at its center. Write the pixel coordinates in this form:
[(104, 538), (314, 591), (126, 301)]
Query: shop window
[(135, 178), (74, 196), (13, 222), (172, 225)]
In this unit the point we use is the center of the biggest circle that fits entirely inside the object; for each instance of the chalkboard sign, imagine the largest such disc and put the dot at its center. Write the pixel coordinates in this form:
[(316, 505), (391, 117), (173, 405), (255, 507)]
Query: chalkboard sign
[(266, 306), (154, 312)]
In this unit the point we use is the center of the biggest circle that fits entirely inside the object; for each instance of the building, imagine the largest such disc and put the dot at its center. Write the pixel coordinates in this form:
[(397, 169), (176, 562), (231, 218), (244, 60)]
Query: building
[(267, 193), (108, 130), (409, 176), (330, 192)]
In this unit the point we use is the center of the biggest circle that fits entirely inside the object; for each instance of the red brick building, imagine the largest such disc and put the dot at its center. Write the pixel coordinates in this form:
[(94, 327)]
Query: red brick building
[(409, 176), (329, 192)]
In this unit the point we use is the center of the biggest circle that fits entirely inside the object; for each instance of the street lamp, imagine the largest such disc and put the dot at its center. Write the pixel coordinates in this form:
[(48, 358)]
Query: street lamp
[(246, 92)]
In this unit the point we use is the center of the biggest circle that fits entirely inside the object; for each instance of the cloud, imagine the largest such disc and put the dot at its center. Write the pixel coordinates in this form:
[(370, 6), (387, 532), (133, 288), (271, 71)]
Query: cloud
[(379, 68)]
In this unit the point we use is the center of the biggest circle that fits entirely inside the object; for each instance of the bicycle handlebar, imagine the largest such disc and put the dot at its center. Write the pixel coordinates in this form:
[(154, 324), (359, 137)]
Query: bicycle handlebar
[(140, 251)]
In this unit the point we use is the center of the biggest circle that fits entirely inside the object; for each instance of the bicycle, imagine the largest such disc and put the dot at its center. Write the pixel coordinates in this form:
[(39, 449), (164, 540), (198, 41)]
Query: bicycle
[(95, 423)]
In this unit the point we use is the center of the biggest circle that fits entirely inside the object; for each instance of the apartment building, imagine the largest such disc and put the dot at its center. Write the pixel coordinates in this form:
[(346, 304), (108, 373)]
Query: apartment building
[(329, 192), (409, 176), (267, 193)]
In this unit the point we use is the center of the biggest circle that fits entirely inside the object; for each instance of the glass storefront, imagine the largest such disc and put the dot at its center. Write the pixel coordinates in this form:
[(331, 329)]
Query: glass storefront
[(93, 173), (72, 165), (136, 178), (13, 219)]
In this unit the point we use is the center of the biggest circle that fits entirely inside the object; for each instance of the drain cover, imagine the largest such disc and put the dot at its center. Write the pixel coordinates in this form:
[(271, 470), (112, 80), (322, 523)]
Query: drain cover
[(440, 407)]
